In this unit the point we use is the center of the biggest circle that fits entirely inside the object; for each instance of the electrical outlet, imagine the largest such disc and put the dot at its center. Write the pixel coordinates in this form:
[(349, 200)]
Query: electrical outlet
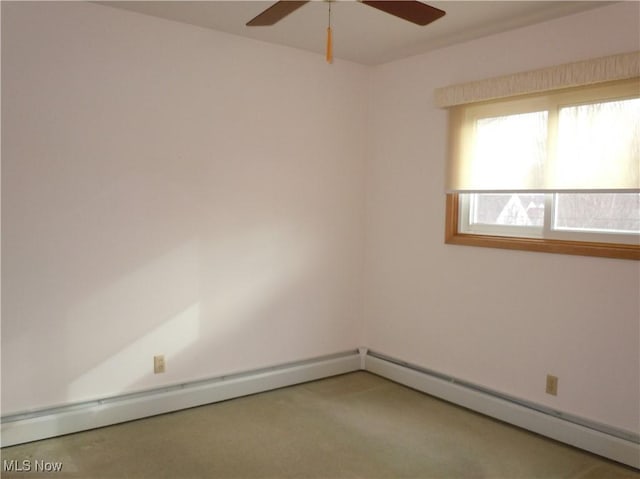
[(158, 364), (552, 385)]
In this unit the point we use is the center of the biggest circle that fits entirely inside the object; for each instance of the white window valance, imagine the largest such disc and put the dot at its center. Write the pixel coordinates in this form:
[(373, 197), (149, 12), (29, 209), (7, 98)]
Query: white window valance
[(588, 72)]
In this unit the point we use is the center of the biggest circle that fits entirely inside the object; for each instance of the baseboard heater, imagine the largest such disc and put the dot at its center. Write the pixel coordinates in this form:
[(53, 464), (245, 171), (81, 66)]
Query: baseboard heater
[(45, 423), (618, 445)]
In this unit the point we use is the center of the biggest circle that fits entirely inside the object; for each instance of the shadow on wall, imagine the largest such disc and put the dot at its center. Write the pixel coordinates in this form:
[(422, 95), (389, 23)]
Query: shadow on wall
[(215, 294), (164, 260), (256, 277), (129, 365)]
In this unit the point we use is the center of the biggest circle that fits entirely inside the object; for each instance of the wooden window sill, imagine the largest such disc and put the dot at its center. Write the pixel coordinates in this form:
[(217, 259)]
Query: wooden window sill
[(583, 248)]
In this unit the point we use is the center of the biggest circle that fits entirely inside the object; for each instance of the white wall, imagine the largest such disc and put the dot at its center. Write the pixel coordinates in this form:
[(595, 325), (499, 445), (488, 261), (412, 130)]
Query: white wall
[(501, 319), (170, 190)]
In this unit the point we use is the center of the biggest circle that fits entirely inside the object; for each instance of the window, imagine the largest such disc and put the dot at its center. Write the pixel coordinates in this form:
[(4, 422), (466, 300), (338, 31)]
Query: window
[(556, 172)]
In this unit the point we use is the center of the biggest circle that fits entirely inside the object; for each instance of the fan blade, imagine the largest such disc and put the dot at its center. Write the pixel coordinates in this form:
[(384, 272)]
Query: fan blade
[(275, 13), (412, 11)]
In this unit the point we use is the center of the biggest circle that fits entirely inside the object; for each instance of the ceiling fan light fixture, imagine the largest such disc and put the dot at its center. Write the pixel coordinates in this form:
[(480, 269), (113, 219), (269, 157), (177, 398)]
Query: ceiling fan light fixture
[(413, 11)]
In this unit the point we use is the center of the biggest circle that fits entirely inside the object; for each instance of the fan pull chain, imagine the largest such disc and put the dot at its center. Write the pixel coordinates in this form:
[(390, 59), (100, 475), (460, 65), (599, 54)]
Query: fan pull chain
[(329, 39)]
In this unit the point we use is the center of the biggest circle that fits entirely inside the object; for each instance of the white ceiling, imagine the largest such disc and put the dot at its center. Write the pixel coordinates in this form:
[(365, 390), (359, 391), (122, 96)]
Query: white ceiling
[(360, 33)]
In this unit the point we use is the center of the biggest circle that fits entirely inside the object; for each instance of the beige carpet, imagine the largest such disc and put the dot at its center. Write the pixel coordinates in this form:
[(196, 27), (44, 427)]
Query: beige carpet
[(352, 426)]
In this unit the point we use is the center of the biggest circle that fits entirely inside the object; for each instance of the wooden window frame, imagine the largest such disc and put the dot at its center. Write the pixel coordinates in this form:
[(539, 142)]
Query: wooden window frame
[(582, 248)]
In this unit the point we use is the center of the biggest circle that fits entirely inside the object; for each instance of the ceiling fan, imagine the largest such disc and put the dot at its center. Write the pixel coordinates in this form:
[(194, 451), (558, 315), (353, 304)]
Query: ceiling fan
[(412, 11)]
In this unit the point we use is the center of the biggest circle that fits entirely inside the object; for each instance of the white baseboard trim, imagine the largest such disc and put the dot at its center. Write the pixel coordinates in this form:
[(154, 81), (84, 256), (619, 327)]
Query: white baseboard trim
[(42, 424), (625, 451), (36, 425)]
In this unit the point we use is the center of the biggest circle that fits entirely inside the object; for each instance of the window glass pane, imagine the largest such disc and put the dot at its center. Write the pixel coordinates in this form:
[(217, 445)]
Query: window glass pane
[(507, 209), (599, 144), (509, 151), (598, 212)]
